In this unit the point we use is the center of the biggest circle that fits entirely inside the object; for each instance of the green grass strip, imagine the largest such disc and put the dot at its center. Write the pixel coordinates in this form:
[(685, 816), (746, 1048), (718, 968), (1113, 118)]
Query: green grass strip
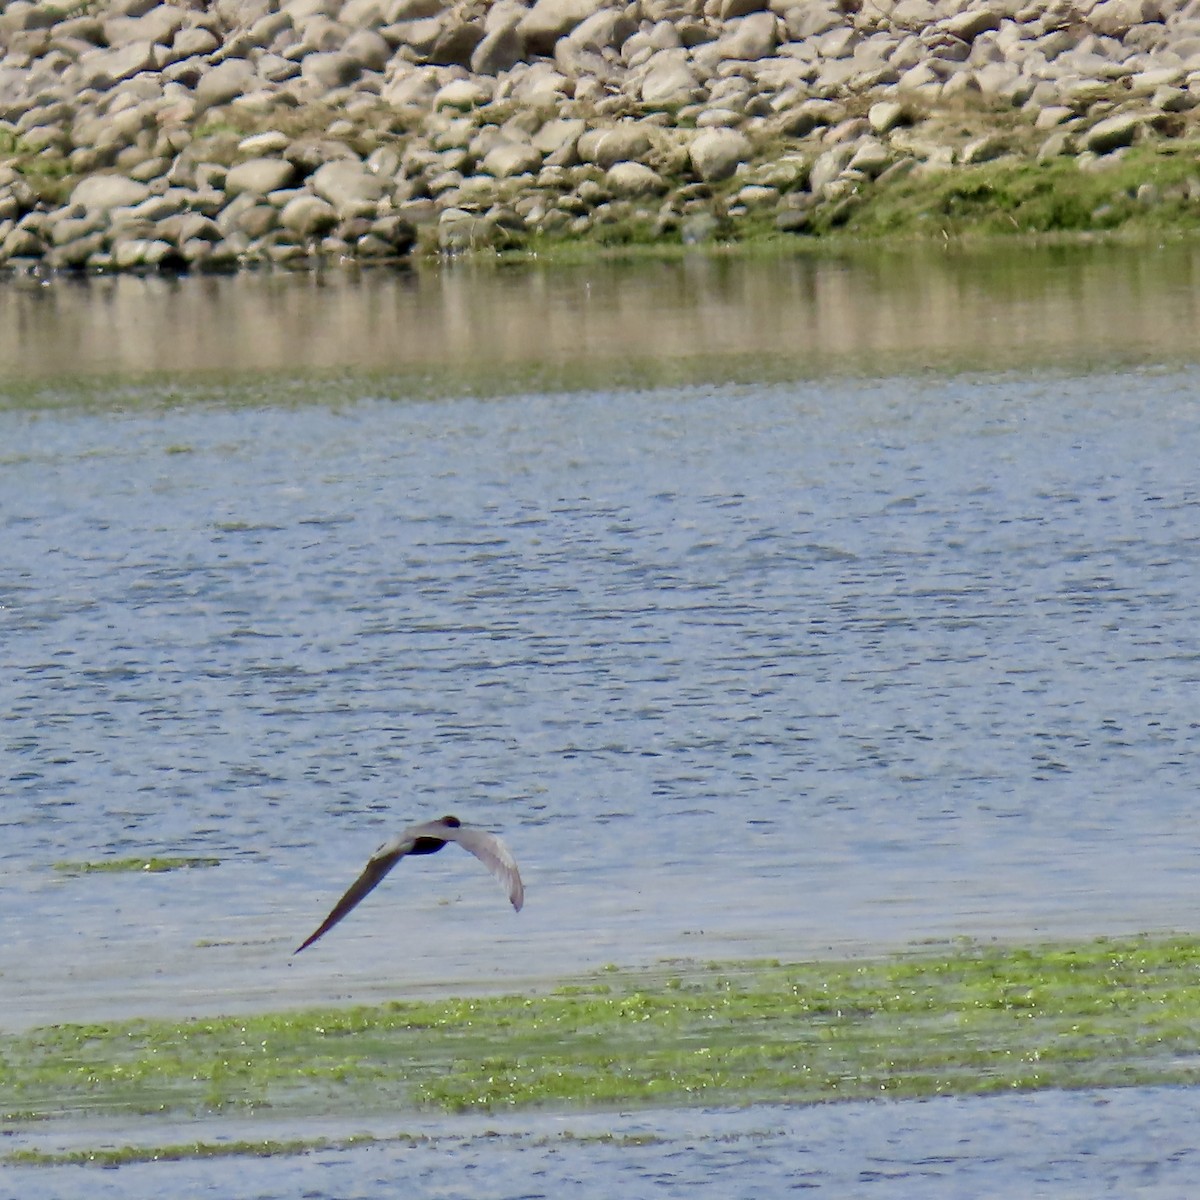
[(117, 865), (970, 1019)]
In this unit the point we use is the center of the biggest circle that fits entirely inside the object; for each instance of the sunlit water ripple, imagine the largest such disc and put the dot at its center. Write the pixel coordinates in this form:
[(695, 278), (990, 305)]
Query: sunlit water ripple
[(736, 670)]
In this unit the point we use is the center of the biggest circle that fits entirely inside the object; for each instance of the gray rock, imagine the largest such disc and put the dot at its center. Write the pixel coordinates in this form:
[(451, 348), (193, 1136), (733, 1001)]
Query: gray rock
[(327, 70), (626, 142), (871, 157), (806, 19), (749, 38), (729, 9), (669, 79), (508, 159), (886, 115), (1115, 18), (308, 216), (499, 50), (983, 149), (717, 153), (349, 186), (971, 22), (1055, 146), (224, 82), (559, 136), (259, 176), (456, 44), (548, 20), (158, 25), (1113, 132), (633, 179), (367, 48), (103, 193), (196, 41), (131, 253), (462, 94), (103, 68), (828, 167), (607, 29)]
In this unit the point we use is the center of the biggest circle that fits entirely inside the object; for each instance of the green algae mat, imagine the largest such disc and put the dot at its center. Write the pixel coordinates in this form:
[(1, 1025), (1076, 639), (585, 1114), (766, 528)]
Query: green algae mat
[(968, 1019)]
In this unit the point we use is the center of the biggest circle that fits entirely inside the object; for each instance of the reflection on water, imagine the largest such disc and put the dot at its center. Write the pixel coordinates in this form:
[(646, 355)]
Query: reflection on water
[(703, 317)]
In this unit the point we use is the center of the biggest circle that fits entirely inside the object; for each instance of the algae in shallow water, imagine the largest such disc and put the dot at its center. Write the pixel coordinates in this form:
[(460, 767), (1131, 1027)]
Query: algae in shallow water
[(971, 1019)]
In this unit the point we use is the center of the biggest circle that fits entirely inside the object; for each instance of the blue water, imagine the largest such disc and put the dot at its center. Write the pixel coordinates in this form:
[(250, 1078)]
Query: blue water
[(1138, 1142), (737, 670), (734, 670)]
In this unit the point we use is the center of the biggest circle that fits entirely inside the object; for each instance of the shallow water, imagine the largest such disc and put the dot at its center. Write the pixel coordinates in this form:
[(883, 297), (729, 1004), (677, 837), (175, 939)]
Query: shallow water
[(739, 668), (1139, 1142), (736, 670)]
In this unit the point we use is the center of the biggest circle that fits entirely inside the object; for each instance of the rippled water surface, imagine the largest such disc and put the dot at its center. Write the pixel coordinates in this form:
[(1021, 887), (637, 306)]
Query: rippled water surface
[(747, 668)]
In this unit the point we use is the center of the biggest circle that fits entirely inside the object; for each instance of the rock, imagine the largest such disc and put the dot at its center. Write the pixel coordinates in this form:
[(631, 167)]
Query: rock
[(560, 136), (633, 179), (548, 20), (349, 187), (827, 167), (103, 68), (224, 82), (886, 115), (731, 9), (669, 80), (971, 22), (157, 25), (717, 153), (132, 253), (259, 176), (308, 216), (499, 50), (1055, 146), (984, 149), (749, 38), (367, 48), (190, 43), (805, 19), (871, 157), (508, 159), (607, 29), (327, 70), (620, 143), (1114, 18), (1113, 133), (260, 145), (462, 94), (456, 44), (102, 193)]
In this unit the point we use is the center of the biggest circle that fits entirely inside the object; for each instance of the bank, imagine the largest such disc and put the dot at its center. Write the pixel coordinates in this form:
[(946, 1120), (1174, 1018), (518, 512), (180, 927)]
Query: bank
[(191, 135)]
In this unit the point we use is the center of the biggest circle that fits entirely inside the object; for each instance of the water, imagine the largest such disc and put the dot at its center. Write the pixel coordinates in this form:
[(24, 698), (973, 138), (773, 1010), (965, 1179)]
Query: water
[(791, 667), (1049, 1146)]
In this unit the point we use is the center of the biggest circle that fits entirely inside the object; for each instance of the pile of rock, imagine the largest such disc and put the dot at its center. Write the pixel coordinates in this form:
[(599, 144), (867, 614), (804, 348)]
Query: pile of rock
[(187, 133)]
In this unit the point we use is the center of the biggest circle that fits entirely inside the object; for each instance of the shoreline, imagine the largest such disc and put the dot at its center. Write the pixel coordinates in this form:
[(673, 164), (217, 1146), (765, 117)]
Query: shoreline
[(178, 136)]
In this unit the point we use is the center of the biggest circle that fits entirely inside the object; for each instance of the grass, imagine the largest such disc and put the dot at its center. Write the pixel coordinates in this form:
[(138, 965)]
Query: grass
[(116, 865), (964, 1020)]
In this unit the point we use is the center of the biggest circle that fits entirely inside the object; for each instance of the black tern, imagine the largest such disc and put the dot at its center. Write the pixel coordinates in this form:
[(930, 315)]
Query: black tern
[(428, 838)]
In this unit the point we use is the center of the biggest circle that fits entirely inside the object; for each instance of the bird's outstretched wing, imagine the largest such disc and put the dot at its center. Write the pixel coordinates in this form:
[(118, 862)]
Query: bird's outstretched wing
[(382, 861), (486, 847), (494, 855)]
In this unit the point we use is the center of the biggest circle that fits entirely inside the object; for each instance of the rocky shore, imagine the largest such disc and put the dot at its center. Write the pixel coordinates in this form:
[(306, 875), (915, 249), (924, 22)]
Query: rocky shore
[(213, 134)]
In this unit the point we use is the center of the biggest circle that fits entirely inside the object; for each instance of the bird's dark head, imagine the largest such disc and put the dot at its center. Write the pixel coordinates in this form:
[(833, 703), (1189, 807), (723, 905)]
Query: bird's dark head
[(453, 822)]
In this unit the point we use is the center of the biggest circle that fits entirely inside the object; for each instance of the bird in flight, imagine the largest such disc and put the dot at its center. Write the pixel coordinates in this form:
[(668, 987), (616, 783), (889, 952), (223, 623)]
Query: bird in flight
[(428, 838)]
